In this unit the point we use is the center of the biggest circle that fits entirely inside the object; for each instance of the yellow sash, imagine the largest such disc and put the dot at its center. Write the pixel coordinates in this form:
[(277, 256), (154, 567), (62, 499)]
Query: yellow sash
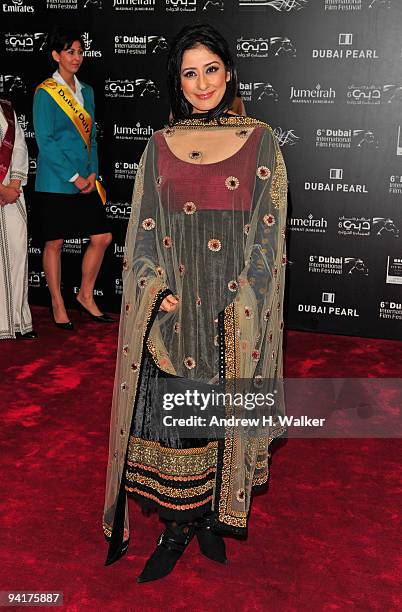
[(81, 119)]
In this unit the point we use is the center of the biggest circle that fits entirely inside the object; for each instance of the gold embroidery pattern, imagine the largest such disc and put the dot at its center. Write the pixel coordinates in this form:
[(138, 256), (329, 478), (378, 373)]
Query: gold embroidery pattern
[(225, 512), (279, 186), (169, 491), (172, 461), (167, 505), (169, 476)]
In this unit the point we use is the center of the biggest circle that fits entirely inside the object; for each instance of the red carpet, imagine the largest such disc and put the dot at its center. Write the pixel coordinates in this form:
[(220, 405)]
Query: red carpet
[(324, 538)]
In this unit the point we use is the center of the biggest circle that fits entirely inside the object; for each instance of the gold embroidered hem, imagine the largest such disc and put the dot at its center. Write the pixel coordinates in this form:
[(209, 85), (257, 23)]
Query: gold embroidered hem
[(179, 479)]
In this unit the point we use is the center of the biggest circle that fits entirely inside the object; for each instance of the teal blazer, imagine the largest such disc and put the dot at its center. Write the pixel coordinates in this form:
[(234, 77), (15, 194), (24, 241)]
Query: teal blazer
[(62, 151)]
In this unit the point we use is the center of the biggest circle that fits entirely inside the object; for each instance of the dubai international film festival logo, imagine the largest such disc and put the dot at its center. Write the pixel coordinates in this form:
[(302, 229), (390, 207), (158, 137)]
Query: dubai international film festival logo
[(124, 88), (118, 210), (25, 42), (265, 47), (277, 5), (133, 44), (380, 227), (17, 6), (181, 6), (255, 92), (11, 83), (374, 94), (63, 5), (390, 309), (339, 138), (337, 265), (356, 5), (125, 170)]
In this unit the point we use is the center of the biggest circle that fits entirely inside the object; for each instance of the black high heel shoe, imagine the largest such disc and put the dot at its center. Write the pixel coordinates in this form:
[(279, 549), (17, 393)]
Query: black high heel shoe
[(171, 545), (212, 545), (103, 318), (68, 325)]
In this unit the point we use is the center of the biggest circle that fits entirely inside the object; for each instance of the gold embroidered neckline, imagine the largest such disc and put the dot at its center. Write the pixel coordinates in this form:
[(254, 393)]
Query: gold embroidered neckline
[(229, 122)]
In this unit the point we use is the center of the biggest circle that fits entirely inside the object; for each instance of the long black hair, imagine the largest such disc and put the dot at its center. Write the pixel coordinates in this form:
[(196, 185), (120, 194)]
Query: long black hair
[(189, 38), (61, 39)]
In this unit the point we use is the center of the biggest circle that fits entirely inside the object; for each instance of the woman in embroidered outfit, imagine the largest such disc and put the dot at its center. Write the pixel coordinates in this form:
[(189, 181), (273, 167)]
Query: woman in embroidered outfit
[(68, 200), (15, 316), (203, 287)]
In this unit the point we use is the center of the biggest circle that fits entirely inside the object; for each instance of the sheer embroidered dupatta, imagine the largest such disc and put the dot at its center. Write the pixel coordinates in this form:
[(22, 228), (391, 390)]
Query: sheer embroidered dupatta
[(250, 322)]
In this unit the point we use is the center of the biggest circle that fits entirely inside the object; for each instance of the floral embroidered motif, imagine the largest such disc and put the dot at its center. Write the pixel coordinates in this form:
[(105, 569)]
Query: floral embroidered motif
[(267, 314), (176, 328), (123, 386), (128, 306), (148, 224), (242, 133), (232, 285), (160, 271), (246, 228), (158, 180), (125, 349), (214, 244), (198, 301), (275, 272), (283, 232), (189, 208), (125, 264), (269, 220), (240, 494), (263, 173), (255, 355), (284, 260), (232, 183), (258, 381), (167, 242), (189, 362), (134, 367), (168, 132), (248, 312), (182, 269), (142, 281)]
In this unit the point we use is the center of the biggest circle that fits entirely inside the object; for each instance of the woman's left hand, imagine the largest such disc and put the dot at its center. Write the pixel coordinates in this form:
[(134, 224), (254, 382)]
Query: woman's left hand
[(91, 183)]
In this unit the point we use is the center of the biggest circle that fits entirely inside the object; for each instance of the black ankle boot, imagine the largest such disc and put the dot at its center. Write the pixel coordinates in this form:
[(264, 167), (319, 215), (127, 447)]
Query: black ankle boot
[(171, 545), (212, 545)]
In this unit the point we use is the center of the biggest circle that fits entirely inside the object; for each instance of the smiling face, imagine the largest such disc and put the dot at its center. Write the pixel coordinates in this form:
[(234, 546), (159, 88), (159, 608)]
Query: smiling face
[(203, 78), (70, 59)]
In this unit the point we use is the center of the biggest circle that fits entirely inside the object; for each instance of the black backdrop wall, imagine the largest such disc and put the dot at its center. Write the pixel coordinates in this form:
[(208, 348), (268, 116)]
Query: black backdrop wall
[(325, 74)]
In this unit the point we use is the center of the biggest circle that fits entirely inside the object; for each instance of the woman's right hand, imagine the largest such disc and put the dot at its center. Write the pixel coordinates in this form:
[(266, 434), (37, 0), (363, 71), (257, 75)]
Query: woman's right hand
[(169, 303), (81, 183)]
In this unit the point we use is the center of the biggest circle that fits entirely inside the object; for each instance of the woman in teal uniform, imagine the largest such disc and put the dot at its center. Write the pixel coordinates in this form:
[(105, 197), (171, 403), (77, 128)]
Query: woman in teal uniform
[(68, 199)]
